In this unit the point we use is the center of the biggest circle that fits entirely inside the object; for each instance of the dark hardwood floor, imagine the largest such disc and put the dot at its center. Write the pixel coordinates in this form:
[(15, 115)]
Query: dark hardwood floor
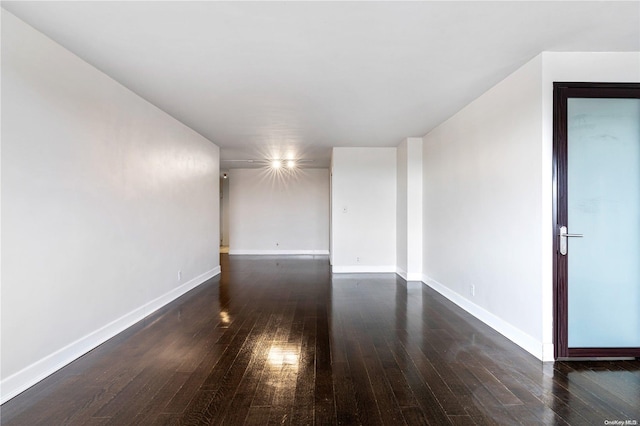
[(282, 341)]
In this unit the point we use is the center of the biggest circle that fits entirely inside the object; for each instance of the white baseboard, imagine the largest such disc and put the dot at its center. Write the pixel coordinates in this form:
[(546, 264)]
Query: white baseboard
[(517, 336), (277, 252), (548, 354), (409, 276), (402, 273), (414, 276), (32, 374), (362, 269)]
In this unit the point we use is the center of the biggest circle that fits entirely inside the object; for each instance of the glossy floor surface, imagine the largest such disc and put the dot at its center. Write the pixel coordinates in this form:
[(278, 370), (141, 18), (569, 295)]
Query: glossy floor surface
[(282, 341)]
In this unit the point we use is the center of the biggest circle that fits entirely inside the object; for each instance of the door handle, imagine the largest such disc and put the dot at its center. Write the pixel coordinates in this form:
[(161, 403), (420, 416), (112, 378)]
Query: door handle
[(563, 239)]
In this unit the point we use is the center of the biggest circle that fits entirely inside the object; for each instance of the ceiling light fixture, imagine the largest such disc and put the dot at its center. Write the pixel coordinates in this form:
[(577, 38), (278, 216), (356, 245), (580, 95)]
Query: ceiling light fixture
[(273, 163)]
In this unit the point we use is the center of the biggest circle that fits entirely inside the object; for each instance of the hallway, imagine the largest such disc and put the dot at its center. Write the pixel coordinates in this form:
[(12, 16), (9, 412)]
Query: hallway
[(280, 340)]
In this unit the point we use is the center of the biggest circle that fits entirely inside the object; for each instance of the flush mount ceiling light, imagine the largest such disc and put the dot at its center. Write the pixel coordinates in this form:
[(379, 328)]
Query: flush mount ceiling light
[(274, 163), (289, 163)]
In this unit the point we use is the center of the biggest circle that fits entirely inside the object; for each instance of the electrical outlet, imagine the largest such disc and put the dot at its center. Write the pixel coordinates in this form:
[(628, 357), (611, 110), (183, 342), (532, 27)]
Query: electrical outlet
[(473, 289), (179, 275), (357, 259), (277, 244)]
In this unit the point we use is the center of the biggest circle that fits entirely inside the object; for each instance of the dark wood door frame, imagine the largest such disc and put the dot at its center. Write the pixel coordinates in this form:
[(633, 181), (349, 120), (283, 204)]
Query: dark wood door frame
[(562, 91)]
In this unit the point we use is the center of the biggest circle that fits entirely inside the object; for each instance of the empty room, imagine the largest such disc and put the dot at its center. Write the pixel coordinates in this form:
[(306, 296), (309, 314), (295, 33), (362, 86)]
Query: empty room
[(369, 212)]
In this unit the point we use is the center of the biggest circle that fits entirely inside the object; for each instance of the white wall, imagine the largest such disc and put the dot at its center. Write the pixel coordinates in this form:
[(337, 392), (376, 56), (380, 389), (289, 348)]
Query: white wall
[(363, 213), (224, 211), (488, 196), (104, 199), (401, 209), (278, 213), (483, 207), (409, 210), (415, 193)]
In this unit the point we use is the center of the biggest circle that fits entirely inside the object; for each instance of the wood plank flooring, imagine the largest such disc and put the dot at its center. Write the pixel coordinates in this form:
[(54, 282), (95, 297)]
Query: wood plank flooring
[(279, 340)]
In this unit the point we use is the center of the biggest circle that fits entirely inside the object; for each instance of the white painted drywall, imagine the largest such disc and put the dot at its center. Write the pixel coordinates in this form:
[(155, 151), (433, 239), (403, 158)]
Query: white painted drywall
[(401, 209), (414, 208), (104, 199), (483, 206), (409, 210), (569, 67), (363, 207), (278, 212), (224, 211), (488, 196)]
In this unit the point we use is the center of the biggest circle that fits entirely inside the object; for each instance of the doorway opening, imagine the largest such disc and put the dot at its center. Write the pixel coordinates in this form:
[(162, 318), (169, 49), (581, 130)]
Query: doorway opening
[(596, 212)]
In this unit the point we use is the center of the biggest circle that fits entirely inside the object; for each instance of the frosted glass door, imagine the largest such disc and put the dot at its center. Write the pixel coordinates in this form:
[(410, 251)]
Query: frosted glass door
[(603, 201)]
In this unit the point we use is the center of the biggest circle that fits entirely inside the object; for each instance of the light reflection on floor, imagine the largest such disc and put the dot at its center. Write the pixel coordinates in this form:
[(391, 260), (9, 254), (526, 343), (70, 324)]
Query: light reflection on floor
[(284, 354)]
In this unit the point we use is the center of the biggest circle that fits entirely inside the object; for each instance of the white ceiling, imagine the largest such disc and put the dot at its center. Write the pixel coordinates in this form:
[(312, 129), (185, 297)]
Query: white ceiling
[(265, 79)]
